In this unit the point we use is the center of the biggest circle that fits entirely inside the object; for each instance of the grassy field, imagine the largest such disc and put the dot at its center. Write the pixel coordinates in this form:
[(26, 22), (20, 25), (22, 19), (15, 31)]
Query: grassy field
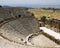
[(48, 13)]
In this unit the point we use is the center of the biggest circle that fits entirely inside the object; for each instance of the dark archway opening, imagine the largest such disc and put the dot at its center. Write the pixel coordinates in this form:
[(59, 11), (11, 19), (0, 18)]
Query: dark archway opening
[(19, 15)]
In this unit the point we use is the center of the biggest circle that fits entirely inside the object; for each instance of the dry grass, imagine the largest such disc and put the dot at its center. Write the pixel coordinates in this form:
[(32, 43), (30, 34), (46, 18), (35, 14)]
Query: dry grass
[(48, 13)]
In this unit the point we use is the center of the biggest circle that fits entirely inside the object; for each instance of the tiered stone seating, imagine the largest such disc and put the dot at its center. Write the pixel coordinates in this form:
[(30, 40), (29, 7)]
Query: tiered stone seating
[(21, 27)]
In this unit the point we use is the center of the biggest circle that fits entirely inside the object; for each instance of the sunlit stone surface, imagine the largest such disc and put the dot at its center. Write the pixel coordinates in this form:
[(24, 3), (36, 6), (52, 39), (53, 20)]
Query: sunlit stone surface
[(41, 40), (14, 30)]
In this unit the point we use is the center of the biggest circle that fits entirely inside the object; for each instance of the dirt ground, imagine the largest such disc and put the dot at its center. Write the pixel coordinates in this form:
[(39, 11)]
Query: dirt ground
[(41, 40)]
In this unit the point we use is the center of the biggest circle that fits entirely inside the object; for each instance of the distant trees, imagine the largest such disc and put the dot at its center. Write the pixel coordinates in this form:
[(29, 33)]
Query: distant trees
[(26, 8), (51, 9), (54, 9), (0, 6)]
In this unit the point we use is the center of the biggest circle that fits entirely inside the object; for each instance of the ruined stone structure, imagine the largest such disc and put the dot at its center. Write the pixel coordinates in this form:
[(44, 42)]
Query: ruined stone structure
[(54, 23), (20, 29)]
